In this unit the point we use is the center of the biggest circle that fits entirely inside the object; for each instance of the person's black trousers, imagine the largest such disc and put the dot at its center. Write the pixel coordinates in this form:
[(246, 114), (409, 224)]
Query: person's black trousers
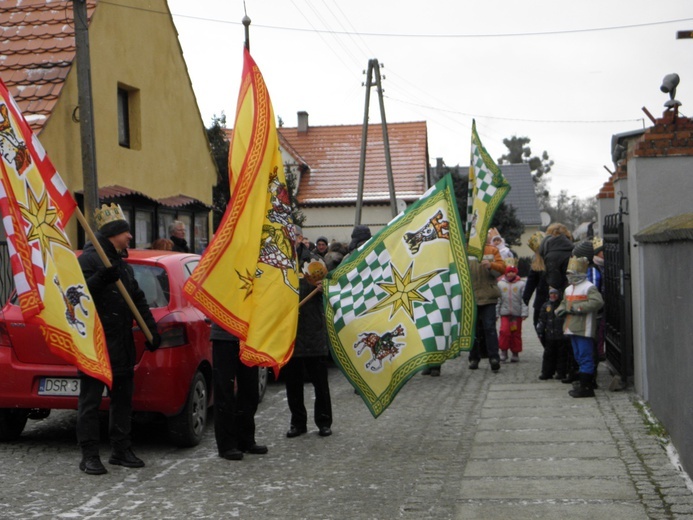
[(235, 397), (316, 371)]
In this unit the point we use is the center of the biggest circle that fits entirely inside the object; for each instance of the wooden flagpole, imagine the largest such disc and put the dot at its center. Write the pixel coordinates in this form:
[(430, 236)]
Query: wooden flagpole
[(123, 291)]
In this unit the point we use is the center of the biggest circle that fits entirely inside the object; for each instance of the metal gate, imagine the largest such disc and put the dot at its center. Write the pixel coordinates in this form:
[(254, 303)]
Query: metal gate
[(617, 294), (6, 282)]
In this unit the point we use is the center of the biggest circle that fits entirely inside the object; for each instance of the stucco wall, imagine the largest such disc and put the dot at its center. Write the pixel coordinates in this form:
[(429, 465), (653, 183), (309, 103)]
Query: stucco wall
[(337, 223), (133, 44), (668, 335)]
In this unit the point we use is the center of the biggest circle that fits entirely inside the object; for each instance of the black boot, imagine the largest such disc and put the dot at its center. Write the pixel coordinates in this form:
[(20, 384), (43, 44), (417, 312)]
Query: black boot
[(569, 378), (585, 389)]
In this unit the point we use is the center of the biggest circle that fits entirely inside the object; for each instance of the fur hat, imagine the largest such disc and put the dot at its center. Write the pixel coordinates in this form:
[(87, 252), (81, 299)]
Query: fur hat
[(584, 250)]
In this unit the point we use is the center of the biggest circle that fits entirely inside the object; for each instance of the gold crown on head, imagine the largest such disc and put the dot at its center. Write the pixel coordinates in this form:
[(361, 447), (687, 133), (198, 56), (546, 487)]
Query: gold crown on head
[(578, 265), (535, 240), (108, 214), (597, 242)]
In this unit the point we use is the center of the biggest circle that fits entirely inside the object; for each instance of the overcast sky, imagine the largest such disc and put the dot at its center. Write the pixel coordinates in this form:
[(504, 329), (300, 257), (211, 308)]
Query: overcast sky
[(568, 75)]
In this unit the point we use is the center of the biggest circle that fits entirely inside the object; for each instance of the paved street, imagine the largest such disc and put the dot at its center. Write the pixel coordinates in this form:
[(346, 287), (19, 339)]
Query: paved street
[(466, 445)]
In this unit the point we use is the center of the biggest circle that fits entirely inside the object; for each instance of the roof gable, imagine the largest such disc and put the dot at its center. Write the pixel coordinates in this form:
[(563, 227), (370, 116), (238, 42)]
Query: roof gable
[(37, 48)]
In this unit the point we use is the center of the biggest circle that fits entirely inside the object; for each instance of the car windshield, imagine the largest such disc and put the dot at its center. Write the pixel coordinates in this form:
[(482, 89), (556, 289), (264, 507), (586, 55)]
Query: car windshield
[(154, 282)]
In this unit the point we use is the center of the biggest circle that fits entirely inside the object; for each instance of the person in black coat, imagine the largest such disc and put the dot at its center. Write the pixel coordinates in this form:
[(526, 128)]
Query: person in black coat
[(117, 320), (176, 231), (556, 250), (556, 344), (309, 357)]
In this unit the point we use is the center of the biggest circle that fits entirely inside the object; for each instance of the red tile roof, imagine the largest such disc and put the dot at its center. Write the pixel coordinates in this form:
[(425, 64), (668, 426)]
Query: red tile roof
[(180, 201), (37, 48), (332, 154)]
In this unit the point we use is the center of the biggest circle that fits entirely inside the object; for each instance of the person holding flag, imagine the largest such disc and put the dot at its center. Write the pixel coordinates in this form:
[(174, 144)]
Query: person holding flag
[(487, 189), (113, 236), (484, 276), (51, 289), (247, 279), (310, 356)]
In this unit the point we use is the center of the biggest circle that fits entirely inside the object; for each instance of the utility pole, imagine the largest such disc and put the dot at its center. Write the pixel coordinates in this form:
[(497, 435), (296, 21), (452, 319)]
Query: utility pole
[(86, 111), (374, 71)]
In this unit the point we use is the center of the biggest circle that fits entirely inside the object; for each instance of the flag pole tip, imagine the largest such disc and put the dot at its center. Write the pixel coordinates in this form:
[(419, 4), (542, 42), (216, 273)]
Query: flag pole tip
[(246, 20)]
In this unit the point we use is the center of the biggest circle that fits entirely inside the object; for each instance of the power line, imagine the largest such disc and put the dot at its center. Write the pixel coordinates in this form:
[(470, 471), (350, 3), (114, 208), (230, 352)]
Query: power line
[(409, 35), (515, 119)]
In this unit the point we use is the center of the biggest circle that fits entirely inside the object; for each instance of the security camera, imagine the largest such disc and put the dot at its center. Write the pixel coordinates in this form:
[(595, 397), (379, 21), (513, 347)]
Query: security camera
[(669, 84)]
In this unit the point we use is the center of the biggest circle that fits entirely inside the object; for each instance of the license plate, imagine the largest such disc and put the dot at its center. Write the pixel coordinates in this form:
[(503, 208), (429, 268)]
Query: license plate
[(61, 386)]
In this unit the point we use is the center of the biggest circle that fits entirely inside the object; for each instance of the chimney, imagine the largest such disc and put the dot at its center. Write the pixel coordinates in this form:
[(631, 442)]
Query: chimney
[(302, 121)]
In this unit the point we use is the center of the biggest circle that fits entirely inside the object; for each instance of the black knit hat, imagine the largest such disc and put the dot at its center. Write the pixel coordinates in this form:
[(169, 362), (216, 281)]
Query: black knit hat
[(359, 235), (322, 239), (113, 228), (584, 249)]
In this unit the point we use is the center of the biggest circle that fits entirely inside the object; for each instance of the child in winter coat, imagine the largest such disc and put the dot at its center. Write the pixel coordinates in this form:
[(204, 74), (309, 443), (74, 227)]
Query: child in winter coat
[(512, 310), (556, 344), (581, 301)]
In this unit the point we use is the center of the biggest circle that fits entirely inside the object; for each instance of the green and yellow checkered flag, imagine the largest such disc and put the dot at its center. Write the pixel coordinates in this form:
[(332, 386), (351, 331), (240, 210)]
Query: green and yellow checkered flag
[(403, 300), (487, 189)]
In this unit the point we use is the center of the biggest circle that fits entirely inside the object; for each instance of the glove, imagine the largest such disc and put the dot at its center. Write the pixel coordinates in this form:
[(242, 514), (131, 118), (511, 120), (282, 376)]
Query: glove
[(109, 274), (155, 343)]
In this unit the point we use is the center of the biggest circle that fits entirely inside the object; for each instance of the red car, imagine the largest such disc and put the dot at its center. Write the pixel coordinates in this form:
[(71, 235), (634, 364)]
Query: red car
[(175, 381)]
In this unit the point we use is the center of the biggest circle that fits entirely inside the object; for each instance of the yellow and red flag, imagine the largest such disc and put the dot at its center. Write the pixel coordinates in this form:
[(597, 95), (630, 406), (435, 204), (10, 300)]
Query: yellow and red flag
[(35, 205), (247, 279)]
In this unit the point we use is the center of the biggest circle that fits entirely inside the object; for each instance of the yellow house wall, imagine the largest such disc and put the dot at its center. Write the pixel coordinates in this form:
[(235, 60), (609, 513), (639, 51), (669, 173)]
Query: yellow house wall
[(134, 43)]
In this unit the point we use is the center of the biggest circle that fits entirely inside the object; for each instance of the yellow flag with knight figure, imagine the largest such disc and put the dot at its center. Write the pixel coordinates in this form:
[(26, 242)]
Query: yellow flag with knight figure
[(247, 279), (403, 301), (51, 289)]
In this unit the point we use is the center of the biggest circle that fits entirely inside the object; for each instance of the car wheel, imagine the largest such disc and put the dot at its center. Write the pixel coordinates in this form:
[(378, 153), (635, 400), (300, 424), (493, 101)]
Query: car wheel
[(262, 377), (12, 422), (186, 428)]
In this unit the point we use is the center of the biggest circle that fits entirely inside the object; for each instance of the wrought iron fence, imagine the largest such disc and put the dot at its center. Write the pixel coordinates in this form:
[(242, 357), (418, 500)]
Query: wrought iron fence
[(617, 296)]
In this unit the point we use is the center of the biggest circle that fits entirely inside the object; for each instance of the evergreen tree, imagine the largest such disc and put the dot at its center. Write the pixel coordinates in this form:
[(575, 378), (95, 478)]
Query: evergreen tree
[(508, 225), (519, 152), (219, 144)]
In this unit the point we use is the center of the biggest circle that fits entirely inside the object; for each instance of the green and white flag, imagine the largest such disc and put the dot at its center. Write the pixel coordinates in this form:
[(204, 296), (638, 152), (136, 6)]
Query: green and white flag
[(487, 189), (403, 300)]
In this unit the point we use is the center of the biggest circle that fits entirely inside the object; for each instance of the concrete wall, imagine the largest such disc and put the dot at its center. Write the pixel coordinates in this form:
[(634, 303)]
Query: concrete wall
[(668, 335), (658, 188), (132, 44)]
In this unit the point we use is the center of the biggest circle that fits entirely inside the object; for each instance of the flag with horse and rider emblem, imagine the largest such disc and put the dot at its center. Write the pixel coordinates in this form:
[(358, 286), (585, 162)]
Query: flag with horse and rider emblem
[(403, 301)]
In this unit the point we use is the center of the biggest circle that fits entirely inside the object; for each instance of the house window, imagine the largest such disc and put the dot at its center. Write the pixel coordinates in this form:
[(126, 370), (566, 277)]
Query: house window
[(144, 226), (201, 232), (165, 220), (129, 134), (123, 118)]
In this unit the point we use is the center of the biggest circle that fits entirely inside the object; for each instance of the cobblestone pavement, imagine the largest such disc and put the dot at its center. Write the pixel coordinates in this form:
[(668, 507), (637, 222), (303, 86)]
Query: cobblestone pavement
[(466, 445)]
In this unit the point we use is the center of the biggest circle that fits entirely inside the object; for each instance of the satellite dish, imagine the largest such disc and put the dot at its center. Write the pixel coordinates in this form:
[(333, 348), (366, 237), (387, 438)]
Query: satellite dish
[(401, 205), (545, 218)]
